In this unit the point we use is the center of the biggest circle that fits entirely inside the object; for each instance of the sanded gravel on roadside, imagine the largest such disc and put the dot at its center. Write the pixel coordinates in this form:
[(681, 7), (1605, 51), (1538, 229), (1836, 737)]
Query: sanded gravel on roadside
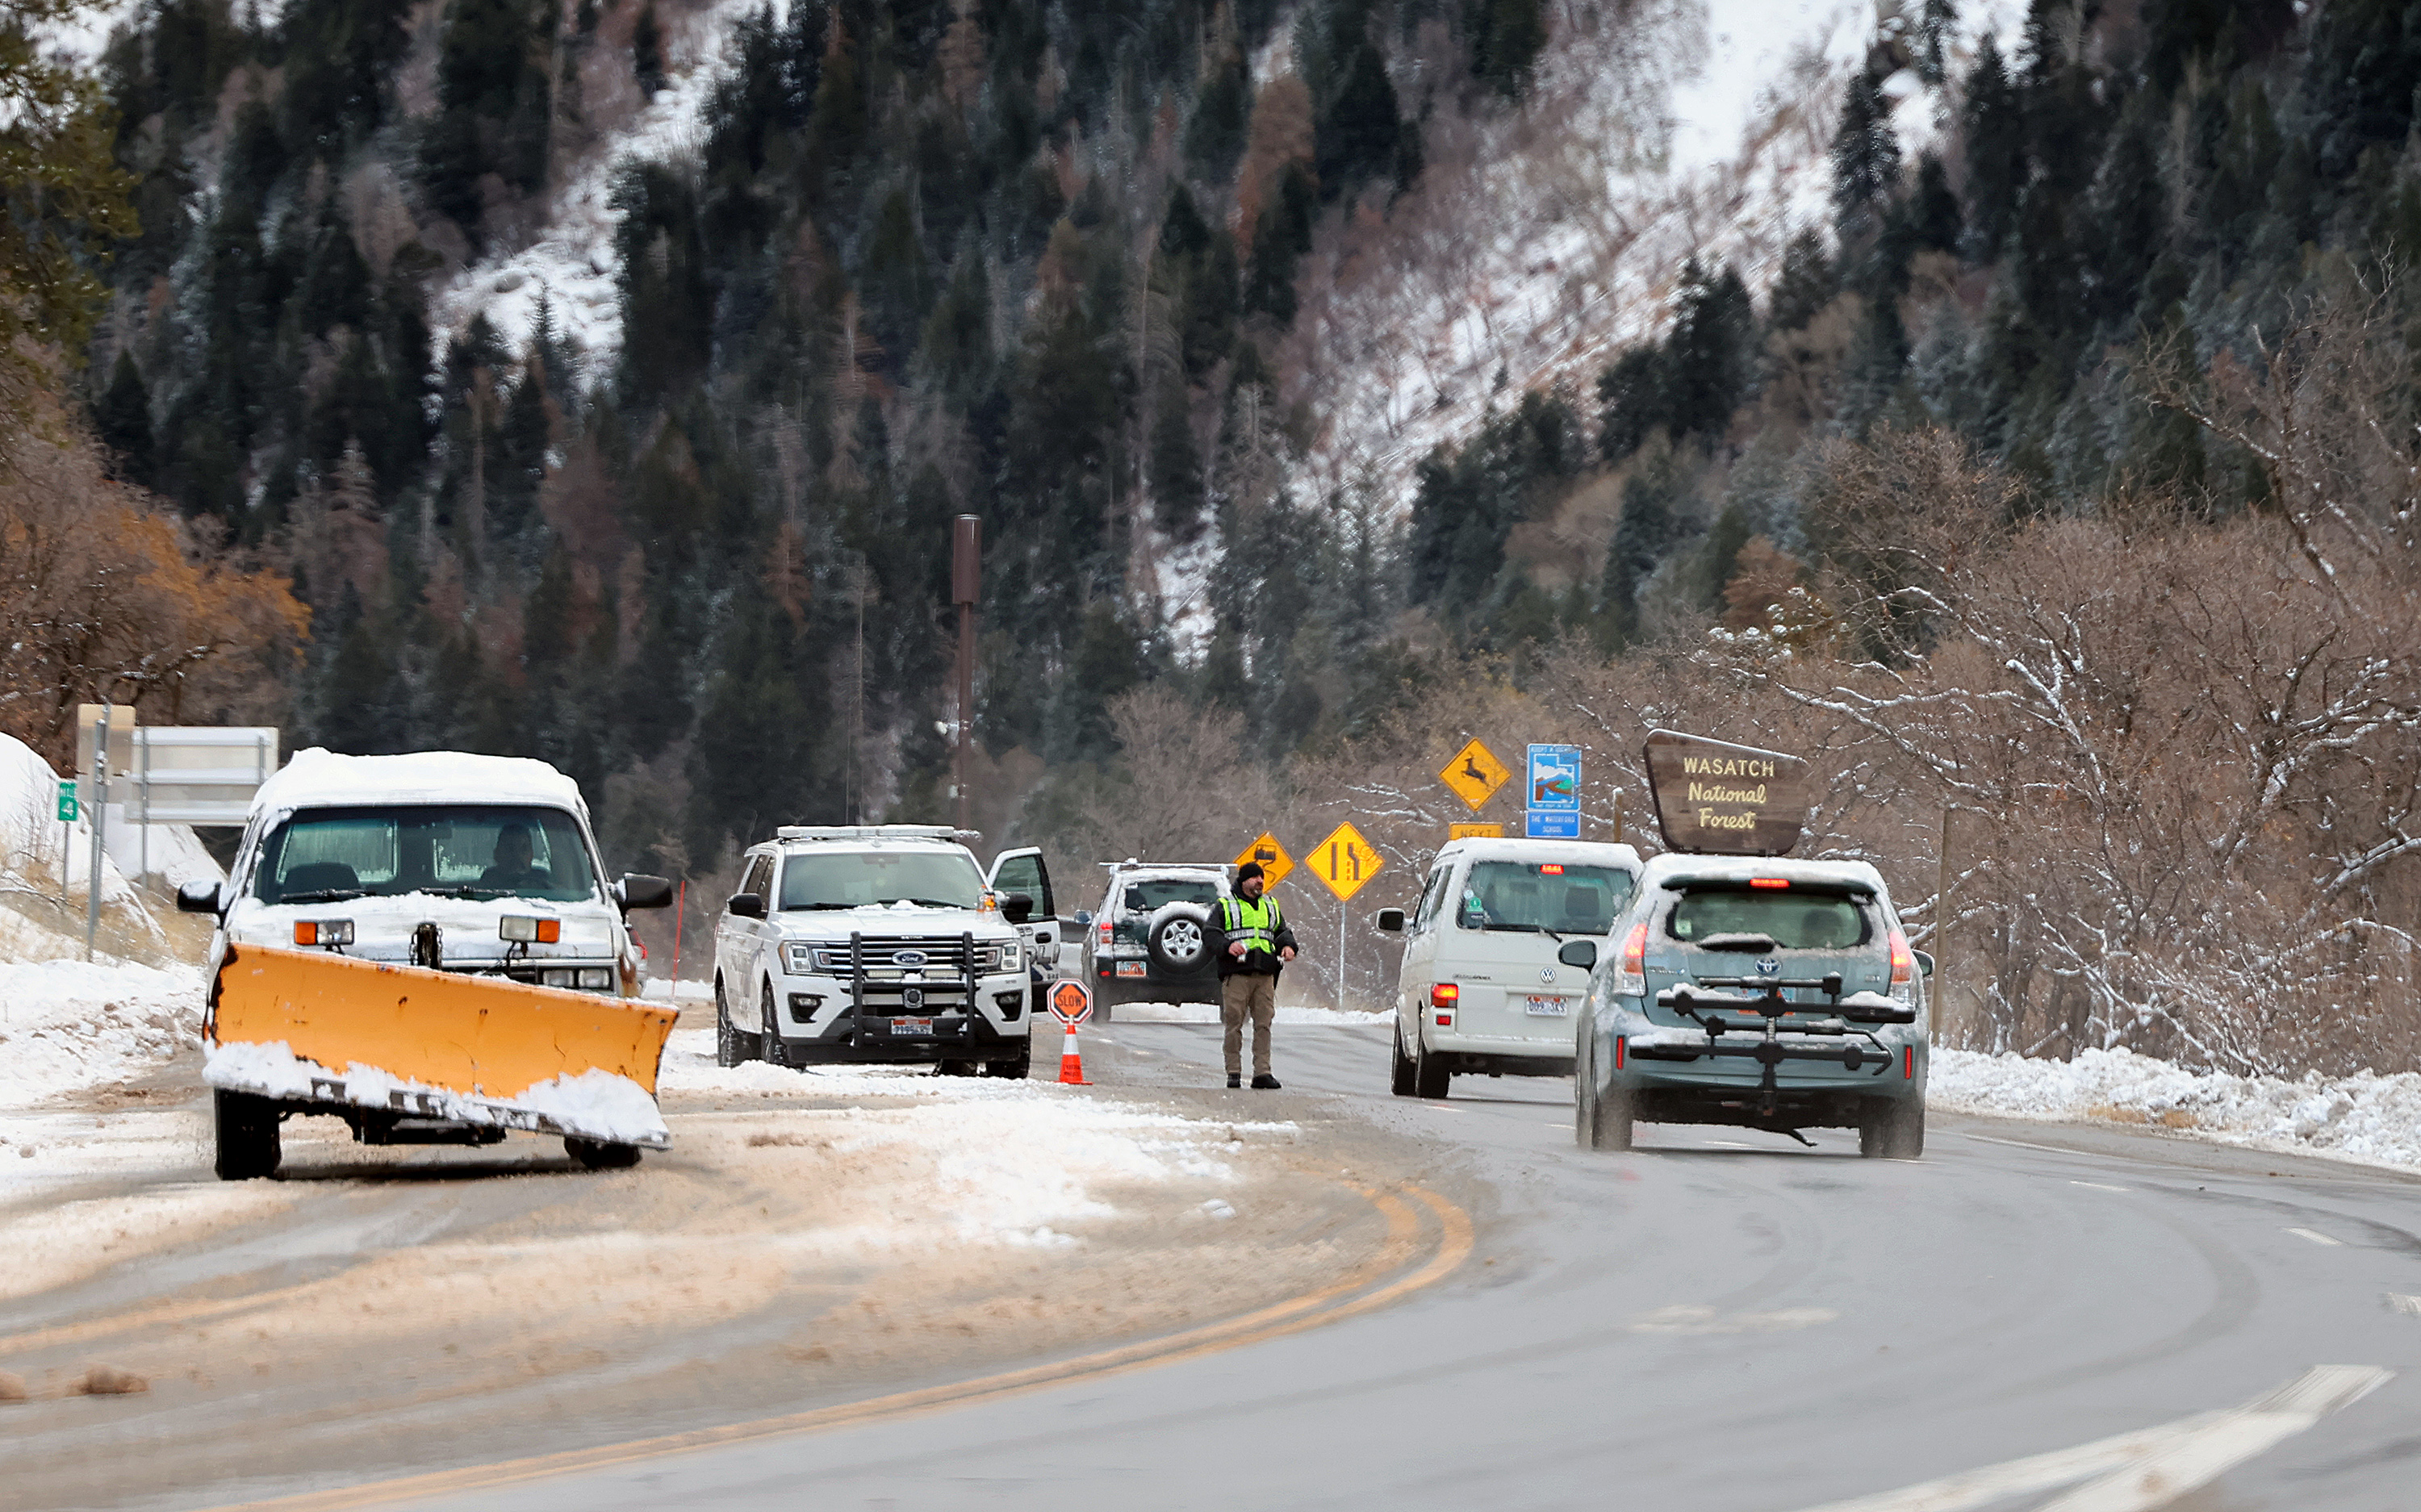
[(380, 1311)]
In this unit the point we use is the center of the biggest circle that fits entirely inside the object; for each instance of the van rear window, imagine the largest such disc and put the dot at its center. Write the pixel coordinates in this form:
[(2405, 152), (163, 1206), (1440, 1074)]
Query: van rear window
[(1564, 898), (1794, 921)]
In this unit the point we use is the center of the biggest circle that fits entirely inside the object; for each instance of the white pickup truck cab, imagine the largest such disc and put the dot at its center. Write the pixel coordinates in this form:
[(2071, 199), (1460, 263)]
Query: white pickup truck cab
[(463, 862), (1481, 992)]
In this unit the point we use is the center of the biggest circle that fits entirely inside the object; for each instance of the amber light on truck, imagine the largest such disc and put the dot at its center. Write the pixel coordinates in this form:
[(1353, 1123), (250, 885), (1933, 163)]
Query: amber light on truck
[(324, 931), (522, 929)]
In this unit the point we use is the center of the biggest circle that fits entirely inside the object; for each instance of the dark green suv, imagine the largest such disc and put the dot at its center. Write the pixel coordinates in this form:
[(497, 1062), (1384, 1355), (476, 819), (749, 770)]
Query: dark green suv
[(1768, 994)]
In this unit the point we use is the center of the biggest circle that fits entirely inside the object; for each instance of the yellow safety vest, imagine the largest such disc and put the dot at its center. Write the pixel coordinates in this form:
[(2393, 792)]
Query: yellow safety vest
[(1255, 924)]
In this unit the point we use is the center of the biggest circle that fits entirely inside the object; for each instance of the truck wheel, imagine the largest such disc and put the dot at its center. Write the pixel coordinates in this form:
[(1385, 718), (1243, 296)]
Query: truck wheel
[(1892, 1129), (246, 1130), (772, 1046), (1400, 1066), (955, 1067), (601, 1155), (1018, 1069), (1177, 943), (732, 1047), (1430, 1076)]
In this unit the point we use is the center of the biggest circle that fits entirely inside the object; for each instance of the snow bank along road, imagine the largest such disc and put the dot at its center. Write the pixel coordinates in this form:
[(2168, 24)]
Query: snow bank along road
[(811, 1242), (2034, 1316)]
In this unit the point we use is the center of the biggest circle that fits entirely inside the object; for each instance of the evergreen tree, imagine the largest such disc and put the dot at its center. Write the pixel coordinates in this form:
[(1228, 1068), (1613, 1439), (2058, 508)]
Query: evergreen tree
[(1997, 166), (1805, 284), (1357, 136), (123, 419), (1632, 402), (1214, 138), (1866, 159), (1506, 39), (1709, 357), (648, 50)]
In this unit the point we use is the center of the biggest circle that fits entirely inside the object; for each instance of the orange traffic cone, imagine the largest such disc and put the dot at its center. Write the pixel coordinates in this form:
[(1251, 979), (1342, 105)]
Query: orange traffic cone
[(1071, 1066)]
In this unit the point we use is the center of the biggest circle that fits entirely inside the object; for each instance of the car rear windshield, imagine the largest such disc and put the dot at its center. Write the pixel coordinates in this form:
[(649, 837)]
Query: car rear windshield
[(1792, 920), (1148, 895), (1542, 896), (327, 855), (860, 879)]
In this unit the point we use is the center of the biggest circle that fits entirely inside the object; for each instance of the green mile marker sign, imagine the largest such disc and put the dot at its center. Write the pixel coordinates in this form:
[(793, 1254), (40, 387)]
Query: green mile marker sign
[(67, 799)]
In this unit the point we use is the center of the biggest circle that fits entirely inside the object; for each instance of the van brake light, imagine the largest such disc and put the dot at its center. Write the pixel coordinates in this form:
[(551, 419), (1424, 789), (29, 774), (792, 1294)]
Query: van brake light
[(1769, 882), (1444, 995)]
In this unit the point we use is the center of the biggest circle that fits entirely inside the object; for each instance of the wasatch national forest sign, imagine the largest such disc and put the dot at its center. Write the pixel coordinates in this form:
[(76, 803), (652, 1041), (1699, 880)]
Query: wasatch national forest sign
[(1717, 799)]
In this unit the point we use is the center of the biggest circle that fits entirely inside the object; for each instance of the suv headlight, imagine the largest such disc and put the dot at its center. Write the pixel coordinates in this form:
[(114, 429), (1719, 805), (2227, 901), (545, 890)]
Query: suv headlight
[(1010, 957), (798, 958)]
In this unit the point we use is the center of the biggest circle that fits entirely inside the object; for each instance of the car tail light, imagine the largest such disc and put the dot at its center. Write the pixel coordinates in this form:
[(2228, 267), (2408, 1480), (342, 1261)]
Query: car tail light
[(1903, 960), (1444, 995), (1769, 882), (1446, 1021), (522, 929), (1107, 931), (1631, 970), (324, 931)]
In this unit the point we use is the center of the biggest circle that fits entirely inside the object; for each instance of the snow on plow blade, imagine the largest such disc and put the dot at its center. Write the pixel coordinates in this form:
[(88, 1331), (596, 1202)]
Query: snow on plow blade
[(307, 1026)]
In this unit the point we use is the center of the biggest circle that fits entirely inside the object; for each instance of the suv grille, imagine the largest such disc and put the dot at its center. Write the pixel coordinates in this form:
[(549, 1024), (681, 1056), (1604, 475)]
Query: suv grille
[(942, 955)]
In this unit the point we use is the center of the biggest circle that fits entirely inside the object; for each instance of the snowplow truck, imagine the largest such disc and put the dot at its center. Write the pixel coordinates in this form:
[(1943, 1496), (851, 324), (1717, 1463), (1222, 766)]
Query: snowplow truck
[(425, 948)]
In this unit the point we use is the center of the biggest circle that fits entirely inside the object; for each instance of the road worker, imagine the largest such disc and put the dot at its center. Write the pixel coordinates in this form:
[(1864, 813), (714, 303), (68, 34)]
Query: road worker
[(1251, 941)]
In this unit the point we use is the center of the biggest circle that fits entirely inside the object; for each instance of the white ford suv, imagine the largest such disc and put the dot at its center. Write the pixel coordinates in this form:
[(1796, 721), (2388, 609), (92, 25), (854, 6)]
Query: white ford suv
[(872, 943)]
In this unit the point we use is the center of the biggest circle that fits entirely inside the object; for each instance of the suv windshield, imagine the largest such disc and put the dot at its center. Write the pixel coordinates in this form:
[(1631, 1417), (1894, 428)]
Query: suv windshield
[(327, 855), (1547, 897), (863, 879), (1148, 895), (1793, 921)]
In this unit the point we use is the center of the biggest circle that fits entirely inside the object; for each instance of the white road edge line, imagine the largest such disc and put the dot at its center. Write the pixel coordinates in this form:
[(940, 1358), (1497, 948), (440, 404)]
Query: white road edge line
[(2318, 1238), (2149, 1467), (2100, 1186), (2024, 1145)]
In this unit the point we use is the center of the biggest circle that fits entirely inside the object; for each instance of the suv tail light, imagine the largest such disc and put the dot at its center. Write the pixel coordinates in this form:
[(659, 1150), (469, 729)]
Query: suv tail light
[(1630, 971), (1903, 961)]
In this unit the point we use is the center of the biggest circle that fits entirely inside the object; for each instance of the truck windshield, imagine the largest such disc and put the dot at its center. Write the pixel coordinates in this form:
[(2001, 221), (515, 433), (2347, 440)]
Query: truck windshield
[(867, 879), (1545, 897), (327, 855), (1793, 921)]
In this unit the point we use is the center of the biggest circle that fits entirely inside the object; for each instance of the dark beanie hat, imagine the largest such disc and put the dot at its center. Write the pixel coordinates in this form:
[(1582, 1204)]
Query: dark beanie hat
[(1249, 869)]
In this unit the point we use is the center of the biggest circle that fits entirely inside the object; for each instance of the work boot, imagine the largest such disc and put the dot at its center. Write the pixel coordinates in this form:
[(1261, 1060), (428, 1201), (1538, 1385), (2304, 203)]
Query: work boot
[(1235, 1079), (1263, 1083)]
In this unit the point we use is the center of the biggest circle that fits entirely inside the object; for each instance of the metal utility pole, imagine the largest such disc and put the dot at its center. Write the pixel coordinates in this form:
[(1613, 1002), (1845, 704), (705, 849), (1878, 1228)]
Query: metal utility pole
[(966, 572), (97, 819)]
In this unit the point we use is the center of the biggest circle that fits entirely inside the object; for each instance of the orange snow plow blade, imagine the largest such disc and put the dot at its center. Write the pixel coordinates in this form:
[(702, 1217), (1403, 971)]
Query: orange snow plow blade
[(312, 1026)]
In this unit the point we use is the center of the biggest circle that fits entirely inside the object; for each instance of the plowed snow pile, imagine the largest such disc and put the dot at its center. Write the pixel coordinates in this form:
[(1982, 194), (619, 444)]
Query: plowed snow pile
[(2366, 1117), (66, 1025)]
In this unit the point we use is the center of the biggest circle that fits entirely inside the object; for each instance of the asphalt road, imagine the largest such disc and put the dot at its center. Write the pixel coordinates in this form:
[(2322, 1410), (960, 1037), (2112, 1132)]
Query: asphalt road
[(1720, 1320)]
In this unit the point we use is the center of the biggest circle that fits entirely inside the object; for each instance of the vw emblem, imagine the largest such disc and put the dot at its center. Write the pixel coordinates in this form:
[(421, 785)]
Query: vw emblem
[(1546, 974), (1769, 967), (913, 998), (910, 958)]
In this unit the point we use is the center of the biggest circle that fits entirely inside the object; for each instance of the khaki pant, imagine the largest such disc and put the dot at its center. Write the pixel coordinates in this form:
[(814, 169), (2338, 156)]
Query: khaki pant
[(1257, 998)]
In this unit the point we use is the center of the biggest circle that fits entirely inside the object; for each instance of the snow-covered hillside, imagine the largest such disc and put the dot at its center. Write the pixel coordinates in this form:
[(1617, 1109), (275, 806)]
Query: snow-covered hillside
[(1555, 234)]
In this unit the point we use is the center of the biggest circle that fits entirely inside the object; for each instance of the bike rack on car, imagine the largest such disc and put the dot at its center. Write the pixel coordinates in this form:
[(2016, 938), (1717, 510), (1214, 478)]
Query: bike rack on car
[(1769, 1005)]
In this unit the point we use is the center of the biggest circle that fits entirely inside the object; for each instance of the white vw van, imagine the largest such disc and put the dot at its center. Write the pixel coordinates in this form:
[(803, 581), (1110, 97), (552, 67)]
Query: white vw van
[(1481, 991)]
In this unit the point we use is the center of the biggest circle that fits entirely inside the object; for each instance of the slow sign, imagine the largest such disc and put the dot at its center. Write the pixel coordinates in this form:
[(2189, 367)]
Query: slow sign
[(1714, 798)]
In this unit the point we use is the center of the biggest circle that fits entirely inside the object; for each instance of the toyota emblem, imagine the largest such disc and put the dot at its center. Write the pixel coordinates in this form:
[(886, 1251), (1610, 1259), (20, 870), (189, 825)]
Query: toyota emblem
[(910, 958), (1769, 967)]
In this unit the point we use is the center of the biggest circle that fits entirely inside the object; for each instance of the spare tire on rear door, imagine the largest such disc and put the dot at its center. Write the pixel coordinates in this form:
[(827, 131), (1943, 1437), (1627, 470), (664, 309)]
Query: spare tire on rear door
[(1177, 940)]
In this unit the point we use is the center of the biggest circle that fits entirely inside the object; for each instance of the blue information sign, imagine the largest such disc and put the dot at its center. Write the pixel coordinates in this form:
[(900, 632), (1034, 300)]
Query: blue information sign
[(1554, 779), (1549, 824)]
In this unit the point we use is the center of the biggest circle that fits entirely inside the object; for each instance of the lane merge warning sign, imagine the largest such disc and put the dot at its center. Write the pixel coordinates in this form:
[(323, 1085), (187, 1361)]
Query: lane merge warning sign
[(1345, 861)]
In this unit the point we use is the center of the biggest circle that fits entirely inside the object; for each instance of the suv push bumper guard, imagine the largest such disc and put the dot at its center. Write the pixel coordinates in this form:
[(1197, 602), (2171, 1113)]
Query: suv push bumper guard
[(1768, 1050), (959, 1030)]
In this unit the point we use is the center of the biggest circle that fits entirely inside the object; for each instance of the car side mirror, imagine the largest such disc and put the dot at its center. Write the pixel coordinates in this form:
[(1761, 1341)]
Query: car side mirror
[(1581, 953), (1924, 961), (1391, 920), (1017, 907), (637, 891), (1081, 918), (198, 897), (746, 906)]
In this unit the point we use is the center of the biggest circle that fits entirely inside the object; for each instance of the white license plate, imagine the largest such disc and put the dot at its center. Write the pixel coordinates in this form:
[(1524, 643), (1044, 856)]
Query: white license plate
[(912, 1027), (1131, 968), (1550, 1007)]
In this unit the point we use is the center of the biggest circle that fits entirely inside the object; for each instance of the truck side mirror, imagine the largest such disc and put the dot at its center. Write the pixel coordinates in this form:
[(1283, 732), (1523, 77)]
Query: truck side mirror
[(1081, 918), (746, 906), (1581, 953), (1391, 920), (1017, 907), (1924, 961), (638, 891), (198, 897)]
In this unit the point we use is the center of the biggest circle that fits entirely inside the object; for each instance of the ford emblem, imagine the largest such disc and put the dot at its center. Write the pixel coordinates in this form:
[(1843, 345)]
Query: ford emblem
[(909, 958), (1546, 974), (1769, 967)]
